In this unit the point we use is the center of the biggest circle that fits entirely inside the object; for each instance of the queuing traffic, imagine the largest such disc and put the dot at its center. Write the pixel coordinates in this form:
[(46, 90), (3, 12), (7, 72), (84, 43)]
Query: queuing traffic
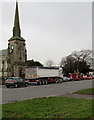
[(19, 82), (44, 76)]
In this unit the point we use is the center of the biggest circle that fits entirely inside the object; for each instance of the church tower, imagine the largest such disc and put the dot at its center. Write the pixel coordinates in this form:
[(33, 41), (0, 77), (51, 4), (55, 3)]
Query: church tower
[(17, 54)]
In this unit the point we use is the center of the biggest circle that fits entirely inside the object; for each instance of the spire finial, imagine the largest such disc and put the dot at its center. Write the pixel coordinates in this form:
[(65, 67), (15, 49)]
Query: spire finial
[(16, 28)]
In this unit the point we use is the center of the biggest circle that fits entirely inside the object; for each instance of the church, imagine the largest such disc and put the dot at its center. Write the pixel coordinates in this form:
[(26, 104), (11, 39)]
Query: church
[(13, 59)]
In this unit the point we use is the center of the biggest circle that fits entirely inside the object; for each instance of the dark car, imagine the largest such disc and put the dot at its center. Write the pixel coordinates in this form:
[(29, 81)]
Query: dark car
[(16, 82), (59, 80)]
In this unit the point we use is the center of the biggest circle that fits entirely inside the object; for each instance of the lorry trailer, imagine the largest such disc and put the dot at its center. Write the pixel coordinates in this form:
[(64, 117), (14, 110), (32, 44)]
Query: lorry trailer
[(42, 75)]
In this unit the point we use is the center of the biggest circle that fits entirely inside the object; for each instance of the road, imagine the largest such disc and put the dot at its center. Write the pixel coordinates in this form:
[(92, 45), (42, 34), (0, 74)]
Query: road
[(34, 91)]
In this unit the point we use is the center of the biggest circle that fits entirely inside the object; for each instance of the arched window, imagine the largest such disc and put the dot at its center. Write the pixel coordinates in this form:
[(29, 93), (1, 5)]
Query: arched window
[(0, 65), (20, 57)]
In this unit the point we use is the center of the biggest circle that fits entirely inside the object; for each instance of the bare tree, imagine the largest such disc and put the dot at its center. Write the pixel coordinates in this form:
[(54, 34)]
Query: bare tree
[(83, 56), (49, 63), (77, 61), (67, 63)]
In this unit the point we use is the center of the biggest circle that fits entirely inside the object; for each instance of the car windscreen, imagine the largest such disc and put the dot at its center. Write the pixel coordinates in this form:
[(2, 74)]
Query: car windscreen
[(9, 79)]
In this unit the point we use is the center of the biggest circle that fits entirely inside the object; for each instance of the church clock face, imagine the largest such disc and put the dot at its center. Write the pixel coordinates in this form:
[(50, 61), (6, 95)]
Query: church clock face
[(11, 49)]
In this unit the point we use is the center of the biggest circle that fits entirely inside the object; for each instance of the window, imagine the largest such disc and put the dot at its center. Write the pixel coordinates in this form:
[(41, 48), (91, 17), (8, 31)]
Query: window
[(0, 65)]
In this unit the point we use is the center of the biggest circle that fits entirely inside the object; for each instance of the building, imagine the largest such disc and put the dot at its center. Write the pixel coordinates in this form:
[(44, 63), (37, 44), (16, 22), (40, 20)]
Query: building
[(13, 59), (3, 63)]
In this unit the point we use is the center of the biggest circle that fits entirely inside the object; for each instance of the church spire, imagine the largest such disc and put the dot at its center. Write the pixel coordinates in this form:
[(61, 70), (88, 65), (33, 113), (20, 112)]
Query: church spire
[(16, 28)]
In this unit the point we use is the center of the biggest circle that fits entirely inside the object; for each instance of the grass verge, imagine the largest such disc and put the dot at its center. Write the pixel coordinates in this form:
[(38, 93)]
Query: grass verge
[(89, 91), (52, 107)]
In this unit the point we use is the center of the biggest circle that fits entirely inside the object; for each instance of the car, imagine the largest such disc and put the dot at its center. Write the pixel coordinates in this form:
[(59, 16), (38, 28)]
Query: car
[(76, 78), (85, 77), (81, 77), (92, 76), (65, 79), (89, 77), (59, 80), (16, 82)]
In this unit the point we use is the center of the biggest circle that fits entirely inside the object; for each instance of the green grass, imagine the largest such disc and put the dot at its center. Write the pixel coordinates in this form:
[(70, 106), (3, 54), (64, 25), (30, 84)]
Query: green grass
[(52, 107), (89, 91)]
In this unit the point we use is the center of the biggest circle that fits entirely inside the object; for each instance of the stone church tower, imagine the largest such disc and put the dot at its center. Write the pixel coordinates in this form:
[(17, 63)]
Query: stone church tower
[(17, 53)]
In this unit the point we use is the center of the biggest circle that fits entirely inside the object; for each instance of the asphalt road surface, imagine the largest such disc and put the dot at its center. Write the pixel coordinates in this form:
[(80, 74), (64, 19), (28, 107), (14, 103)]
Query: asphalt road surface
[(36, 91)]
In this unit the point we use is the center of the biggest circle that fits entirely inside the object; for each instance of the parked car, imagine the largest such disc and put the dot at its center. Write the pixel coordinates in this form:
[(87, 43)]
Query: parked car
[(16, 82), (89, 77), (65, 79), (85, 77), (92, 76), (81, 77), (2, 81), (59, 80)]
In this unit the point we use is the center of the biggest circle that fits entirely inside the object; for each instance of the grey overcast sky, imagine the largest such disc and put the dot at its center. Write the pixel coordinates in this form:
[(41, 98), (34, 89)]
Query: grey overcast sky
[(52, 30)]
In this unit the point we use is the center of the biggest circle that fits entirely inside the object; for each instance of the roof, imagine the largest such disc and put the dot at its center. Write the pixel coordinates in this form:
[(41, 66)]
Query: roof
[(16, 28), (3, 52), (17, 38), (41, 67)]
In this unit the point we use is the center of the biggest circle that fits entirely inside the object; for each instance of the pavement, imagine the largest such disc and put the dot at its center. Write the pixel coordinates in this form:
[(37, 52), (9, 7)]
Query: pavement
[(70, 95), (89, 97)]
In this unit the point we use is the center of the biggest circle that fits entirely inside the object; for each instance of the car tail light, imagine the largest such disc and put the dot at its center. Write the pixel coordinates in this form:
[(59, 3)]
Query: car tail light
[(37, 80), (12, 80)]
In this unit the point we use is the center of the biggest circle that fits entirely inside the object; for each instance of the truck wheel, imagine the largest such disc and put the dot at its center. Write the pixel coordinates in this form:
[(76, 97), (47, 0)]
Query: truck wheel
[(40, 83), (43, 82), (56, 81), (46, 82), (7, 86), (26, 84), (16, 85)]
